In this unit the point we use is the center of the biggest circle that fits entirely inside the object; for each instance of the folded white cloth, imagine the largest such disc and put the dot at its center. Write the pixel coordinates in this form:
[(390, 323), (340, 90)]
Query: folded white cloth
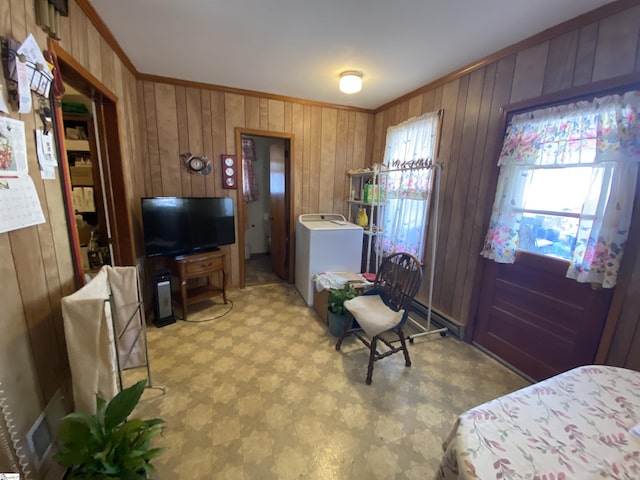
[(325, 281), (90, 343), (372, 314)]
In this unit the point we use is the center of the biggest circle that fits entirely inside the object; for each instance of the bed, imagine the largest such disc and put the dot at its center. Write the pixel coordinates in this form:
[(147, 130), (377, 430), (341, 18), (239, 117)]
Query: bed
[(575, 425)]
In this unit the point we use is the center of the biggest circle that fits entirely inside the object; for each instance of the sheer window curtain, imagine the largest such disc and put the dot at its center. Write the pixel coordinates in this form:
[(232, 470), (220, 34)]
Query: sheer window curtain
[(603, 134), (408, 192), (249, 181)]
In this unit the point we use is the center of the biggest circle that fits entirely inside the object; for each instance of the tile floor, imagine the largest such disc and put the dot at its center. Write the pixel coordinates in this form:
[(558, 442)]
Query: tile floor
[(257, 270), (258, 391)]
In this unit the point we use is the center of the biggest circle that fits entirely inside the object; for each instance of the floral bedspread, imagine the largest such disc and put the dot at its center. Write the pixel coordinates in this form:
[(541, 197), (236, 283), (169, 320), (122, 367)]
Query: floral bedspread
[(572, 426)]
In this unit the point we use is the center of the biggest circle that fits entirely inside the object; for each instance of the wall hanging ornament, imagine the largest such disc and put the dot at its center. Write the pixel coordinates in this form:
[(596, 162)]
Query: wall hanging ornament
[(229, 171), (198, 165)]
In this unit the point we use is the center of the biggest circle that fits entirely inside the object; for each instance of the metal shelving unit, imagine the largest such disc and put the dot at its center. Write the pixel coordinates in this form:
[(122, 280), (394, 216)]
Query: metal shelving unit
[(374, 209)]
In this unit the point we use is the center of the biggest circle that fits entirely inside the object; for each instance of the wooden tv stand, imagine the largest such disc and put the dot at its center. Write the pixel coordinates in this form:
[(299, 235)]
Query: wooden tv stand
[(200, 265)]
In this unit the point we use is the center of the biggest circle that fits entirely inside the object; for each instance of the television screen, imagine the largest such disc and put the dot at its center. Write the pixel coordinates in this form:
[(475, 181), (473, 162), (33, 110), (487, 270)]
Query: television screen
[(176, 226)]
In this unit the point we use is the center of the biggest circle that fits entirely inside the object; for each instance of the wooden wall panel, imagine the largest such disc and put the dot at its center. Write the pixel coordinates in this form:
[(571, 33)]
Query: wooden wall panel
[(288, 117), (219, 139), (167, 122), (414, 107), (275, 115), (315, 160), (18, 370), (448, 146), (207, 140), (152, 146), (585, 55), (617, 45), (252, 114), (183, 136), (328, 165), (264, 114), (298, 130), (340, 181), (362, 132), (464, 191), (559, 72), (196, 147), (94, 47), (528, 78)]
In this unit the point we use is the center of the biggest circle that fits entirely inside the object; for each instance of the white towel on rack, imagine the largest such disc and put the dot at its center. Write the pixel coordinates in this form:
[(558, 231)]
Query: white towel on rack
[(90, 343), (124, 288)]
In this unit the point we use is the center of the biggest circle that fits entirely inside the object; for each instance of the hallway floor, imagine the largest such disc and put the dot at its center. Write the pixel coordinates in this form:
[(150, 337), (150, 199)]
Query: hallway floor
[(257, 270), (256, 390)]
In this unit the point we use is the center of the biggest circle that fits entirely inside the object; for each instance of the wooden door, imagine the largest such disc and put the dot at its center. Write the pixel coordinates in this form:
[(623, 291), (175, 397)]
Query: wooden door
[(278, 209), (536, 319)]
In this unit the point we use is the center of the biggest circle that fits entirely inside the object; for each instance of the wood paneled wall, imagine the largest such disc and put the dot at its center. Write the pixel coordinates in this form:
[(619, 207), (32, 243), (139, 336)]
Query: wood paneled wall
[(178, 118), (36, 264), (473, 125)]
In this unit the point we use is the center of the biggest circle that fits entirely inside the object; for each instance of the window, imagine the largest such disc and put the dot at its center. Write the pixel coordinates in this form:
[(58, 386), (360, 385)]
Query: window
[(408, 185), (552, 209), (567, 184)]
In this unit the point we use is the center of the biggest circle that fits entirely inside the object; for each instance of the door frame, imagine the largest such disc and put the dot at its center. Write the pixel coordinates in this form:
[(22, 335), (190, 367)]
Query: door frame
[(109, 146), (289, 172), (603, 87)]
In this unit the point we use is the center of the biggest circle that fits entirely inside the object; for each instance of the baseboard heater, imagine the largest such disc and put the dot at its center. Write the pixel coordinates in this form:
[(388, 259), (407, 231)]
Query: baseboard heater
[(439, 319)]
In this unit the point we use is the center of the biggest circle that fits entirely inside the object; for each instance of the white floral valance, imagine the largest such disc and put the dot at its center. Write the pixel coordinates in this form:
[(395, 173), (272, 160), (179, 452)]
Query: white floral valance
[(603, 134)]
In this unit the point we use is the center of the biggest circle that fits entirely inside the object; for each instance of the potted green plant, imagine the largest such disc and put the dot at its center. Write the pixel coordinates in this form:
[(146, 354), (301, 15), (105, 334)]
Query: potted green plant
[(335, 304), (105, 444)]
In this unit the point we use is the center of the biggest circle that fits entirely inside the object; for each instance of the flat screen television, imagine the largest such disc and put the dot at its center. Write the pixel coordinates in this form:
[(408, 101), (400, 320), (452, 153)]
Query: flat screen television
[(183, 225)]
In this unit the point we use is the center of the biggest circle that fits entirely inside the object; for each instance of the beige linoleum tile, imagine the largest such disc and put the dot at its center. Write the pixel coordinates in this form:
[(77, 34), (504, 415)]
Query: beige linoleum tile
[(261, 393)]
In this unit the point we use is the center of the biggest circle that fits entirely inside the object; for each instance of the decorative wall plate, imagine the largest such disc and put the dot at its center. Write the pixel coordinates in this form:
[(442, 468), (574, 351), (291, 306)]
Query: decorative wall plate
[(199, 165), (229, 171)]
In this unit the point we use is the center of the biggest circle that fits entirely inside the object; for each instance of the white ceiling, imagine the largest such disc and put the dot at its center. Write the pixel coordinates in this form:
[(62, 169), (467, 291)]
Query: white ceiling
[(297, 48)]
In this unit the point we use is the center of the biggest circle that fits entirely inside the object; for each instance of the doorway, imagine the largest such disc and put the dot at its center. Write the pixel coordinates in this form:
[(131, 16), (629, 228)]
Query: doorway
[(87, 195), (100, 125), (265, 208)]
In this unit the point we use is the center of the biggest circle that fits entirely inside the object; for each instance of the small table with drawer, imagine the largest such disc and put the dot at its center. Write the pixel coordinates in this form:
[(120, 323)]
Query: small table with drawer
[(196, 266)]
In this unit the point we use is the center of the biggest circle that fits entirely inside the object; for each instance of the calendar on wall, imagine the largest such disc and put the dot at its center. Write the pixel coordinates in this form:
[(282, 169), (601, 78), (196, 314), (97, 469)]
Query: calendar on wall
[(19, 203)]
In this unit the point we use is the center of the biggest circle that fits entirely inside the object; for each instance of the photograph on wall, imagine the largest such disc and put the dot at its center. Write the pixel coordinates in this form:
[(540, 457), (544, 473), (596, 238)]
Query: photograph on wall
[(13, 148)]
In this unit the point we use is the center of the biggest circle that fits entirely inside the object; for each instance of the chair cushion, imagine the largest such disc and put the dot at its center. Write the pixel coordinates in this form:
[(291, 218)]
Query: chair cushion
[(372, 314)]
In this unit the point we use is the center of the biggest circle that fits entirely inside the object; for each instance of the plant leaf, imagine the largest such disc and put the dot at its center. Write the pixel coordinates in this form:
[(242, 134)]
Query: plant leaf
[(74, 431), (153, 453), (121, 406)]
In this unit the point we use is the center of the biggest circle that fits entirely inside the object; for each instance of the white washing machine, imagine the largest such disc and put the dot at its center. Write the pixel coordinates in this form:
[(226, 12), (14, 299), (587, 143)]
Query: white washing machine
[(325, 242)]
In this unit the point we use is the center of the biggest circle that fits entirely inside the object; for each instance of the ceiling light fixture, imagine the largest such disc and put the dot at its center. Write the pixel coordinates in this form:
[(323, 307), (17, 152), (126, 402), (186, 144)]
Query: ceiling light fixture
[(350, 82)]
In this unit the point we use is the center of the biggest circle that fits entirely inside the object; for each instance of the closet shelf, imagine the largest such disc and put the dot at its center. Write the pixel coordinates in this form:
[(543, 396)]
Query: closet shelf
[(77, 145)]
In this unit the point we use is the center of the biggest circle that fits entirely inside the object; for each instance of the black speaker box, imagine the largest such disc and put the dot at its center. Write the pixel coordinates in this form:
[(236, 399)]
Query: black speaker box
[(163, 307)]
